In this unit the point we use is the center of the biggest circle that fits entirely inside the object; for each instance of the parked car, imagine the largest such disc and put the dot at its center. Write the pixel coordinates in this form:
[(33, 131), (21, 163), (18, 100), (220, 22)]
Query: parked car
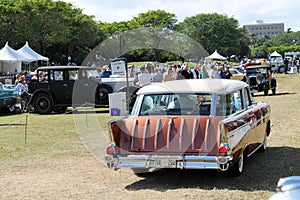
[(237, 75), (287, 188), (8, 98), (261, 79), (190, 124), (59, 87)]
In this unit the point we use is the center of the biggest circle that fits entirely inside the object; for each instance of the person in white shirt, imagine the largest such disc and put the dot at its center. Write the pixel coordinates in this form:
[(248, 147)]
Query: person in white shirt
[(143, 78), (213, 73), (23, 92)]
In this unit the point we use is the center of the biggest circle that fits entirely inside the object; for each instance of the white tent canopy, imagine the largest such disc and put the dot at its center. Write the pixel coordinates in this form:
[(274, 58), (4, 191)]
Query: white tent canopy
[(275, 54), (7, 54), (10, 60), (29, 54), (216, 56)]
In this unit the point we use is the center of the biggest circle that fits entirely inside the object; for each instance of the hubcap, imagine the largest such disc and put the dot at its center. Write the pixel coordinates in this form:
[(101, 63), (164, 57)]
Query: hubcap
[(43, 103)]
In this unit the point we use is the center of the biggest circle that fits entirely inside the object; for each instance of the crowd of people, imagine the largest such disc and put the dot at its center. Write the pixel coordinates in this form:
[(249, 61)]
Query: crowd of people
[(161, 73)]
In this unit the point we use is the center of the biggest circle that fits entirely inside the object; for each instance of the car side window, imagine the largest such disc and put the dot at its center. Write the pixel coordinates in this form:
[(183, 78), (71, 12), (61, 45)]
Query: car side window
[(247, 97), (73, 75), (233, 102), (56, 75)]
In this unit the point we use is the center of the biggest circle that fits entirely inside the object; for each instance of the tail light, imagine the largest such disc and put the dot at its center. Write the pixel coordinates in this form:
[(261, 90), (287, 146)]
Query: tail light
[(223, 150), (110, 150)]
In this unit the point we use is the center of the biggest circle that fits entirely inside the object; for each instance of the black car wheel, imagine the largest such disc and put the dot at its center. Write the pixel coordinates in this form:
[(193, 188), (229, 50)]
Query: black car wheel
[(281, 69), (11, 108), (103, 93), (263, 147), (43, 104), (238, 168)]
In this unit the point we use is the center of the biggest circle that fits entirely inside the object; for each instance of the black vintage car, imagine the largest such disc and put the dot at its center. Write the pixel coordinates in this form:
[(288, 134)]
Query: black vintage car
[(58, 87), (261, 79)]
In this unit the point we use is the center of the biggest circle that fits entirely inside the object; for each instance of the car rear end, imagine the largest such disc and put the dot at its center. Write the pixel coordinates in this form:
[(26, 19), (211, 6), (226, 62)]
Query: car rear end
[(167, 142)]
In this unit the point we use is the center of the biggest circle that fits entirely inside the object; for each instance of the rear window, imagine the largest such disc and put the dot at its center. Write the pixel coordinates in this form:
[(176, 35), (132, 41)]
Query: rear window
[(176, 104)]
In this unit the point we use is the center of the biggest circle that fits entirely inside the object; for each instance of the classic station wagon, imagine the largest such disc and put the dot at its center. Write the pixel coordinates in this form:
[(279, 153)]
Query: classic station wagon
[(190, 124)]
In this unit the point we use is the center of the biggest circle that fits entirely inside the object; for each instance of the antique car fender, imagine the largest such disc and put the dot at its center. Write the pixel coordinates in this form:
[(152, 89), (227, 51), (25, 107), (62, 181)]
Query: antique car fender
[(37, 92), (8, 97)]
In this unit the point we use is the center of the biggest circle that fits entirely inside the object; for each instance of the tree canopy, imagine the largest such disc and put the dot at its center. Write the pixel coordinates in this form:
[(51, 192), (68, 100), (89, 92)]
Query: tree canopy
[(58, 29), (53, 28), (213, 31)]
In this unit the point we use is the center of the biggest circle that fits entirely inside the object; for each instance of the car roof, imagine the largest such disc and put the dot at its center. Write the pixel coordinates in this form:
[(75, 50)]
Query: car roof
[(65, 67), (220, 86)]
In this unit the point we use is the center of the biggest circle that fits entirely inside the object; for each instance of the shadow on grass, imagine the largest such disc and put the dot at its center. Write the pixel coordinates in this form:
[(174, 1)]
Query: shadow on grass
[(74, 111), (277, 94), (88, 111), (262, 172)]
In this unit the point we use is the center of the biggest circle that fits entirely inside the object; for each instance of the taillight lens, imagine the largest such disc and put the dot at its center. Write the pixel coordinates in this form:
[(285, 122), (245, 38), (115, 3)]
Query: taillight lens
[(110, 150), (223, 150)]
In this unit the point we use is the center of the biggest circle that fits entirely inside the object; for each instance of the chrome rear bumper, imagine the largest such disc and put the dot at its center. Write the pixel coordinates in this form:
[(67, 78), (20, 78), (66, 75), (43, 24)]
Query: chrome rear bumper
[(168, 161)]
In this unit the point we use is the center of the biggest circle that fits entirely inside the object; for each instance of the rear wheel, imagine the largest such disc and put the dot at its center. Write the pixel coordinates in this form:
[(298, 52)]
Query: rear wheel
[(43, 104), (238, 168), (263, 147)]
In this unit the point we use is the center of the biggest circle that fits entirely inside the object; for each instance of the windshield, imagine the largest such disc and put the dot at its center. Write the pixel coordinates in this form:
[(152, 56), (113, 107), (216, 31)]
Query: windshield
[(176, 104)]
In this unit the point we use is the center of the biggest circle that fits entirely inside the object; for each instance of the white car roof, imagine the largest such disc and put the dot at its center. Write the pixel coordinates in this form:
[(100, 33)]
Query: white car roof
[(219, 86)]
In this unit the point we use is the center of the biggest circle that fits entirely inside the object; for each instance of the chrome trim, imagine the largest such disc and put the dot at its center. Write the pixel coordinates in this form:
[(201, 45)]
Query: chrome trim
[(145, 133), (195, 129), (133, 132), (169, 132), (180, 133), (182, 161), (158, 128), (206, 133)]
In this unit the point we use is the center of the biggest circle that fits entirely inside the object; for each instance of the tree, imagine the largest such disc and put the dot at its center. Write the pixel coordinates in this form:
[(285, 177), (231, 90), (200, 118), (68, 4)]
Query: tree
[(213, 31), (53, 28), (155, 19)]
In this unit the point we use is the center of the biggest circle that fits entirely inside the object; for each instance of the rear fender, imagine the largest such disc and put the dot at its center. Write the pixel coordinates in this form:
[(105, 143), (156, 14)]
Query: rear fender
[(42, 90)]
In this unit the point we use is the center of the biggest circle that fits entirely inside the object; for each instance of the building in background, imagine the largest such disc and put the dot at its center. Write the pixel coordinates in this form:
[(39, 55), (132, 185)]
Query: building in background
[(262, 29)]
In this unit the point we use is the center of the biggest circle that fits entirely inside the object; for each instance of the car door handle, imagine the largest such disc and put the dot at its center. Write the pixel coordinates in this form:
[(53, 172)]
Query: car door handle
[(65, 85), (86, 84)]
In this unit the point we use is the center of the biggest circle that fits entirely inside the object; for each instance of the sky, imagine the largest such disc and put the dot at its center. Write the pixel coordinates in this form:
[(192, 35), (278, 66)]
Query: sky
[(245, 11)]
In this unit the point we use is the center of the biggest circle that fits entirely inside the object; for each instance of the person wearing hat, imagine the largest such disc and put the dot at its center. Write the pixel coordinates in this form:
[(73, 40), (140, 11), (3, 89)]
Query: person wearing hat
[(23, 87)]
